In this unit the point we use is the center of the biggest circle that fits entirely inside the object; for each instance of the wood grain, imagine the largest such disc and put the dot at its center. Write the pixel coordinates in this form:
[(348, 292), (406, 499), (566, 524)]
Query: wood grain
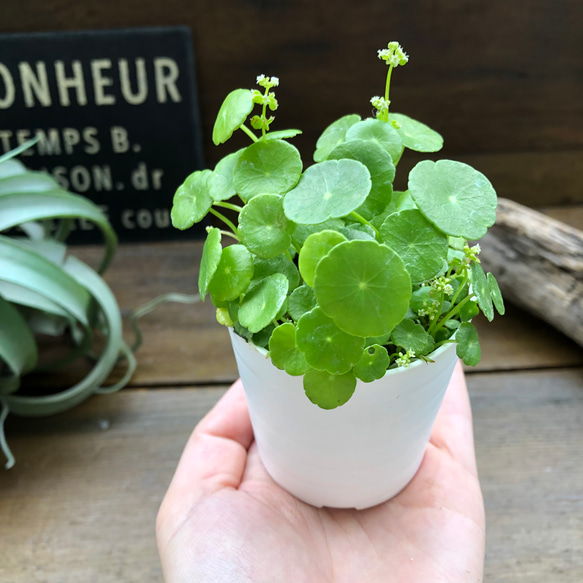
[(497, 80), (80, 504), (538, 262)]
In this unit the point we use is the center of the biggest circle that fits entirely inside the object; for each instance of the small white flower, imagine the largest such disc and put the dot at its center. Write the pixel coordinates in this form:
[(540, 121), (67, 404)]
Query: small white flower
[(260, 78)]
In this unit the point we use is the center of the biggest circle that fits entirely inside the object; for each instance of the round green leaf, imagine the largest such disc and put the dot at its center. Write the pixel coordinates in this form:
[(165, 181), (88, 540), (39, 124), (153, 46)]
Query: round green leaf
[(364, 287), (373, 364), (411, 336), (469, 310), (300, 301), (379, 132), (263, 302), (280, 264), (232, 275), (220, 185), (468, 345), (316, 246), (330, 189), (329, 391), (232, 114), (263, 226), (495, 294), (481, 289), (211, 255), (416, 135), (333, 135), (457, 199), (325, 346), (381, 168), (271, 167), (284, 353), (192, 200), (418, 243)]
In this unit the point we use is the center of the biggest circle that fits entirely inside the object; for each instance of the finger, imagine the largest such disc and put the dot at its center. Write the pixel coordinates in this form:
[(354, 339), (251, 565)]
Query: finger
[(453, 429), (216, 453)]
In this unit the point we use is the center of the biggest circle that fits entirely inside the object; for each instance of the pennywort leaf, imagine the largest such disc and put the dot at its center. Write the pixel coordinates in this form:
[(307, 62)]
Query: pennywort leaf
[(316, 246), (232, 274), (333, 135), (380, 133), (192, 200), (263, 226), (364, 287), (495, 294), (373, 363), (220, 184), (380, 166), (420, 245), (416, 135), (468, 345), (329, 391), (267, 167), (284, 352), (481, 289), (263, 302), (411, 336), (211, 255), (331, 189), (300, 301), (457, 199), (325, 346), (232, 114)]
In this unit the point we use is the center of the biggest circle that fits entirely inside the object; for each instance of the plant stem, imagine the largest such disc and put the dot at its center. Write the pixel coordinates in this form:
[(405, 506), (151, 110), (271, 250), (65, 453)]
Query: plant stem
[(387, 89), (363, 221), (449, 315), (249, 132), (228, 205), (229, 234), (226, 221)]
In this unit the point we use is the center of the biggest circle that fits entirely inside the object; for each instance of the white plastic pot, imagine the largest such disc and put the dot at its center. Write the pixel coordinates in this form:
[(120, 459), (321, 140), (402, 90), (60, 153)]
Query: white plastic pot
[(355, 456)]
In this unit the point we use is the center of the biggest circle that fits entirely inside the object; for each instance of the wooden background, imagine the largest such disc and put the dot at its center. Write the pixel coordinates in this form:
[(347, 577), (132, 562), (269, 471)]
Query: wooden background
[(502, 81)]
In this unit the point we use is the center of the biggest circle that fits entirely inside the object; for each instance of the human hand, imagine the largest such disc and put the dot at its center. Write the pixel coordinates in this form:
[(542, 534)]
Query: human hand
[(224, 519)]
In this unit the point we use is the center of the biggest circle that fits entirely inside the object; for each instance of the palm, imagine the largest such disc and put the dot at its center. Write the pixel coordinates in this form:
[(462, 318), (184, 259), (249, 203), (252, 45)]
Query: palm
[(234, 523)]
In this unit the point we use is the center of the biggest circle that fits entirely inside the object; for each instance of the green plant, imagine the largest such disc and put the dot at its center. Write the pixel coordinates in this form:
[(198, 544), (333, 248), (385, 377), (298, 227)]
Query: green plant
[(44, 290), (337, 275)]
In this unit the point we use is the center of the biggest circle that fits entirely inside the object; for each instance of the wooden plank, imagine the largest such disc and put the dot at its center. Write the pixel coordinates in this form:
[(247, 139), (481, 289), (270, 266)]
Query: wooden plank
[(528, 432), (80, 503)]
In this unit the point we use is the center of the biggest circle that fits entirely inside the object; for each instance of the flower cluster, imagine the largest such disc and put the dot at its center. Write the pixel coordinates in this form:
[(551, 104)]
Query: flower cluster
[(404, 359), (393, 55), (266, 99), (380, 104), (442, 284)]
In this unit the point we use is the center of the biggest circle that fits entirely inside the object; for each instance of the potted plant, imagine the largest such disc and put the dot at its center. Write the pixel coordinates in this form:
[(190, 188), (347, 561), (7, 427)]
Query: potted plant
[(347, 301)]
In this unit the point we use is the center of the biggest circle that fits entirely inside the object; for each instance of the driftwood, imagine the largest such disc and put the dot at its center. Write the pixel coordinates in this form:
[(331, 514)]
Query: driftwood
[(538, 262)]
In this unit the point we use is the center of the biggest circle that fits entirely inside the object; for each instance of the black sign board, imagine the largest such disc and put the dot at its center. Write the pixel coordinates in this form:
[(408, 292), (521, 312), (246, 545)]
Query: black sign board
[(116, 113)]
